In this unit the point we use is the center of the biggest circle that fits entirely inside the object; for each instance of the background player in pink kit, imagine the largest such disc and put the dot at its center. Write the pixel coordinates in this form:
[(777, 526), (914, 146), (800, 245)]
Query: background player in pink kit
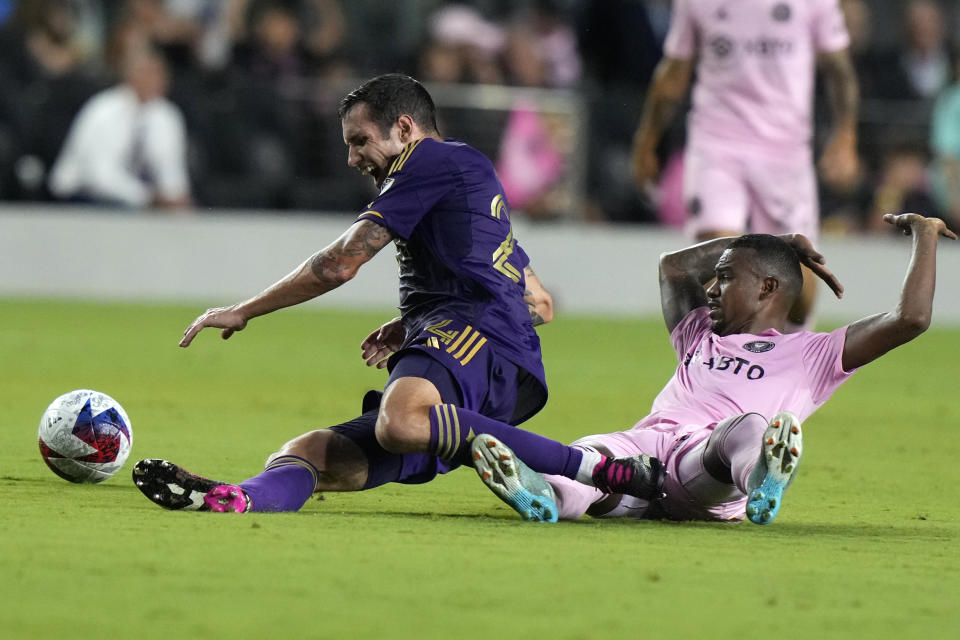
[(748, 160), (736, 369)]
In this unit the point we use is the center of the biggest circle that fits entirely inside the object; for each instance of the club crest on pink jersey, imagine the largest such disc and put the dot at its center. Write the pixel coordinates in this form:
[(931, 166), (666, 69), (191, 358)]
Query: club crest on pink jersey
[(759, 346)]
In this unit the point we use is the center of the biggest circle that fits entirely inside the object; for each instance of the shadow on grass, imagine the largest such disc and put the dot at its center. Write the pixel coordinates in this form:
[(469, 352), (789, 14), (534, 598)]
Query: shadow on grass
[(79, 486), (785, 530)]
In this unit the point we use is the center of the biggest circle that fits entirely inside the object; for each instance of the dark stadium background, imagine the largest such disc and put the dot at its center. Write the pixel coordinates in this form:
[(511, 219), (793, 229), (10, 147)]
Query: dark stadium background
[(265, 139)]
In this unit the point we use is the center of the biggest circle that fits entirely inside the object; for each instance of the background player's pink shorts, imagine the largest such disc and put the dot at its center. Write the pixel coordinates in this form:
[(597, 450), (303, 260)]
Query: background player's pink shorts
[(731, 187)]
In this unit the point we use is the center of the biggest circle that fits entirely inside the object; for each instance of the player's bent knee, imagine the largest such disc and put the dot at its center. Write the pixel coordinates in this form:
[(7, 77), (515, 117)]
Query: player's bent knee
[(716, 459), (402, 432)]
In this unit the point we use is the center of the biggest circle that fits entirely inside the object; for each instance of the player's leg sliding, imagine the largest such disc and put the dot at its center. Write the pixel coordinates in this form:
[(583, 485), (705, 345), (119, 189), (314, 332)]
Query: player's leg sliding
[(452, 429), (285, 484), (775, 469), (512, 481)]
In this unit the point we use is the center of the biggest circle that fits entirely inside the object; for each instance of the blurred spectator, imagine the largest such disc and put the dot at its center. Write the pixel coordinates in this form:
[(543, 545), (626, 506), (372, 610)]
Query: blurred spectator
[(530, 163), (43, 81), (859, 19), (127, 145), (620, 50), (945, 145), (274, 54), (541, 48), (903, 186), (462, 47), (918, 67), (148, 23), (207, 29), (306, 34)]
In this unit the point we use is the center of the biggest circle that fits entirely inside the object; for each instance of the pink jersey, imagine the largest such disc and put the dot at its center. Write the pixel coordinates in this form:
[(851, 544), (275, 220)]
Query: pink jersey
[(723, 376), (755, 67)]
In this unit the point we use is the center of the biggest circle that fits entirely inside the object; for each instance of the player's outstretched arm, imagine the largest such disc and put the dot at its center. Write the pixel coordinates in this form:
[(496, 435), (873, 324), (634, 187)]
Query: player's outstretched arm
[(538, 299), (871, 337), (671, 79), (683, 275), (324, 271)]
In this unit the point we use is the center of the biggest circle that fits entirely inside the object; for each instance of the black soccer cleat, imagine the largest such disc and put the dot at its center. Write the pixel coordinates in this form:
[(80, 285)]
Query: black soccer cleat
[(172, 487), (640, 476)]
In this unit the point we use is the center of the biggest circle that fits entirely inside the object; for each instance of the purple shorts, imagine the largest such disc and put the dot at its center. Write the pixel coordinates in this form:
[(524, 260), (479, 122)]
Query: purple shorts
[(494, 387)]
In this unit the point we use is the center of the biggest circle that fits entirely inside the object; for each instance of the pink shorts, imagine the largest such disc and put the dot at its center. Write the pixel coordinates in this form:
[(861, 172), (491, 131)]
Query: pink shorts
[(729, 188), (671, 447)]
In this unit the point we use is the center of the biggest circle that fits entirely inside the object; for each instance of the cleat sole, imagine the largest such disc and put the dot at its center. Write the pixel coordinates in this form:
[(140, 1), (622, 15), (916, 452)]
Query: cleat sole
[(171, 486), (500, 471), (781, 450)]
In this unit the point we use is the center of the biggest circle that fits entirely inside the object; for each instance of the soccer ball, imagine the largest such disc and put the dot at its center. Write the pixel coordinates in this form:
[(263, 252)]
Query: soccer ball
[(85, 436)]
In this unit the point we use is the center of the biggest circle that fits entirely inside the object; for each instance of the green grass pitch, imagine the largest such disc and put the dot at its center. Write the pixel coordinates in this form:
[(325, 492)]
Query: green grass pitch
[(865, 547)]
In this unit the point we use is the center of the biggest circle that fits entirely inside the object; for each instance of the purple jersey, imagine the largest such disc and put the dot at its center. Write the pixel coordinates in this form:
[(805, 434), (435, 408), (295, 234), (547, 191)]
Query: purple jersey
[(461, 269)]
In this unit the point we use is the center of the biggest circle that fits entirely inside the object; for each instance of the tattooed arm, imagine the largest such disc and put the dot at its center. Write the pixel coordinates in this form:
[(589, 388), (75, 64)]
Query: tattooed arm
[(539, 301), (324, 271)]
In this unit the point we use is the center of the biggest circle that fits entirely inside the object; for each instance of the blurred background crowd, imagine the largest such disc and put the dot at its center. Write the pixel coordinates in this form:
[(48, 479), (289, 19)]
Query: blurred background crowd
[(243, 97)]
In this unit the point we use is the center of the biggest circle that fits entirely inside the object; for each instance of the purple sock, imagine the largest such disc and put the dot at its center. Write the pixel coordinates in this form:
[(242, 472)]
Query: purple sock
[(285, 485), (452, 429)]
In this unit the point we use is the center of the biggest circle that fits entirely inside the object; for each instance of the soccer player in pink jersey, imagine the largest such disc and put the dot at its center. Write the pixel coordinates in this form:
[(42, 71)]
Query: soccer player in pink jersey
[(737, 368), (748, 160)]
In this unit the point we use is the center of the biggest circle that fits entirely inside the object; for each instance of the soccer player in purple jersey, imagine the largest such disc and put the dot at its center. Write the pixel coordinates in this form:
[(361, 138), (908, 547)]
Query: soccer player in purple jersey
[(463, 355), (736, 369)]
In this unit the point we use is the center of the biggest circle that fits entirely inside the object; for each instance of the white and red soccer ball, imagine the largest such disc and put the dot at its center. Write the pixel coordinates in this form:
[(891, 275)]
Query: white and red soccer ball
[(85, 436)]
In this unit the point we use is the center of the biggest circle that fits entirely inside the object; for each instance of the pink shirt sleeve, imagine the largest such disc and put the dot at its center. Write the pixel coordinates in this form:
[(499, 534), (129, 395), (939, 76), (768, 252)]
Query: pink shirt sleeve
[(829, 27), (681, 42), (823, 359), (689, 331)]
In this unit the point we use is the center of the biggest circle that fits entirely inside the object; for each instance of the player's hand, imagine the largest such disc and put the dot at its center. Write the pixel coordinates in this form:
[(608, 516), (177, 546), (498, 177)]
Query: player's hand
[(814, 260), (839, 163), (646, 167), (383, 343), (226, 318), (907, 222)]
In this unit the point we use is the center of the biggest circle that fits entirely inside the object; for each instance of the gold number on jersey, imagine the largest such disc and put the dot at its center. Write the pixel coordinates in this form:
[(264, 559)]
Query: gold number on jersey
[(498, 209)]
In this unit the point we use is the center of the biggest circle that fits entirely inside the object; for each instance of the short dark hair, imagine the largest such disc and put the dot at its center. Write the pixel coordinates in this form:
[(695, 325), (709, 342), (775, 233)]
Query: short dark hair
[(390, 96), (775, 257)]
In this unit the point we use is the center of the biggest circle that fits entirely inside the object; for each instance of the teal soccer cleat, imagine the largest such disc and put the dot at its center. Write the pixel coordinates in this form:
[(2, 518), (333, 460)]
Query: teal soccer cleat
[(515, 483), (777, 466)]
